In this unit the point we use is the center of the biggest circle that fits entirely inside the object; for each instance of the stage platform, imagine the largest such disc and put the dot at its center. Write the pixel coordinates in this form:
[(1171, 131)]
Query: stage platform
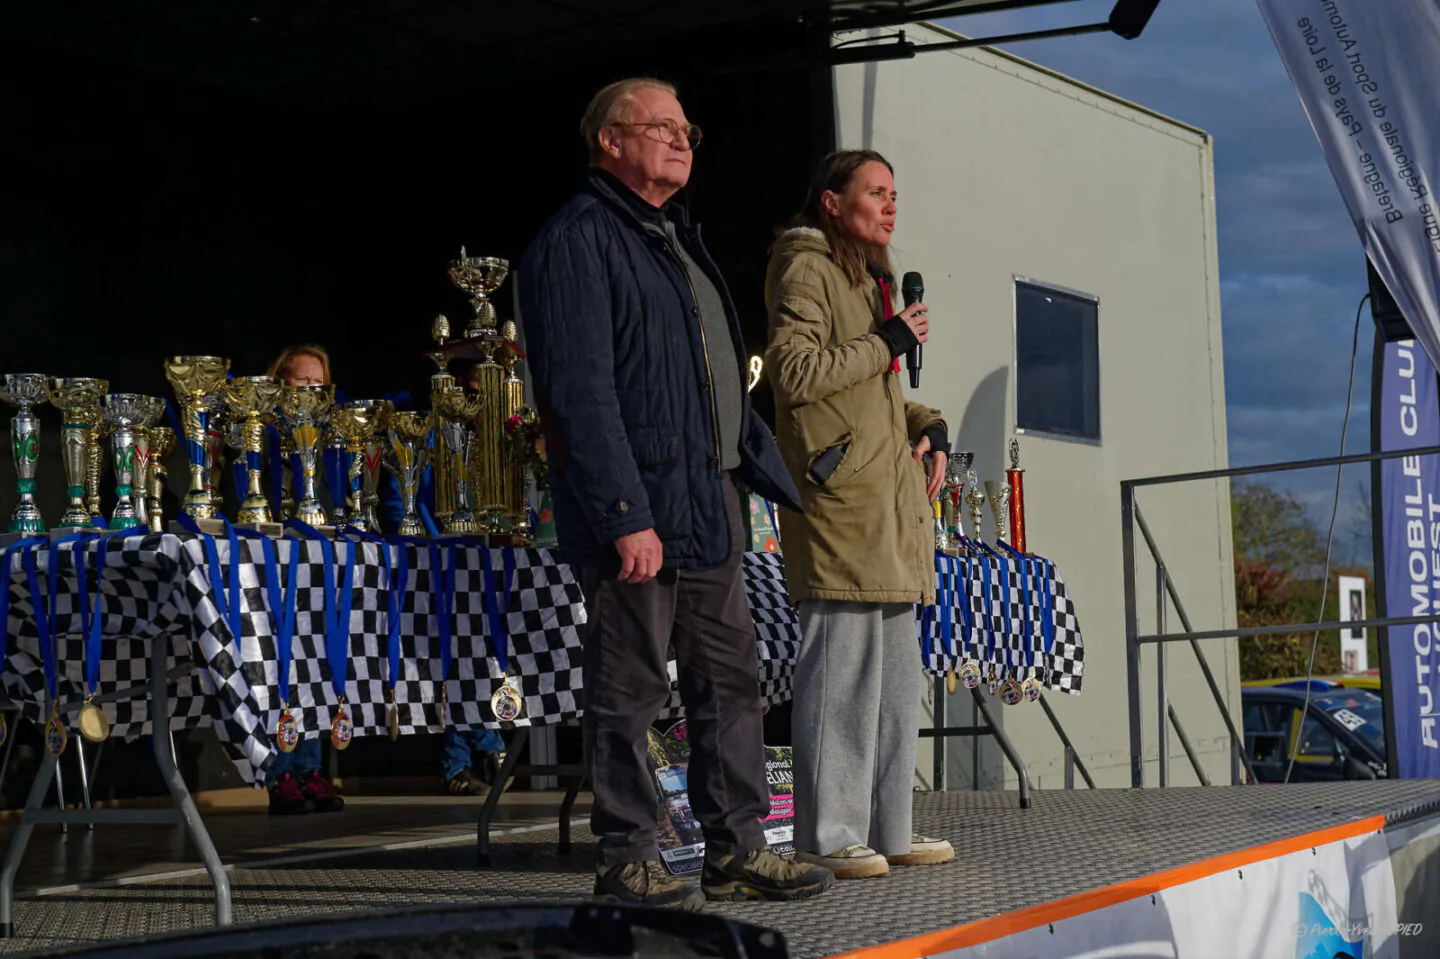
[(1073, 851)]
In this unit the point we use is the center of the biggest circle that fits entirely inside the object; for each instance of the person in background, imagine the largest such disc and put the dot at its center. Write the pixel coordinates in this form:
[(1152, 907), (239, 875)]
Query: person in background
[(861, 554), (295, 782), (635, 352)]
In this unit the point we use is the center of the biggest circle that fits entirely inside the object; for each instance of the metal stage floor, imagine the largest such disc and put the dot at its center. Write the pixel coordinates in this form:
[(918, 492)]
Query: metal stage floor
[(1008, 859)]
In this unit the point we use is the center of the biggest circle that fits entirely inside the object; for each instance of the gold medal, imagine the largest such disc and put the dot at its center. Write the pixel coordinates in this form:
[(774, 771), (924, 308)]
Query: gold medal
[(342, 730), (506, 702), (992, 681), (970, 673), (950, 684), (4, 730), (442, 707), (94, 726), (287, 733), (393, 720), (1010, 693), (55, 735), (1031, 688)]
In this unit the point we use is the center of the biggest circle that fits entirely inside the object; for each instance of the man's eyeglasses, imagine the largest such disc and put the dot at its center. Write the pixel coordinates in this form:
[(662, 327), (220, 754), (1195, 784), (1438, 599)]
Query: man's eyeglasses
[(668, 131)]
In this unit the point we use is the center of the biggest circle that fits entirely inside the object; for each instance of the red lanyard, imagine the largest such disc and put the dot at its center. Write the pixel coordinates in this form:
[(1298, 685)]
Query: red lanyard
[(886, 314)]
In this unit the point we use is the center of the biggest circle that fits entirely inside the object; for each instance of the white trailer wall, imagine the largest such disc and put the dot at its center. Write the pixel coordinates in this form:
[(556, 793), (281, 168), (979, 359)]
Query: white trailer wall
[(1005, 169)]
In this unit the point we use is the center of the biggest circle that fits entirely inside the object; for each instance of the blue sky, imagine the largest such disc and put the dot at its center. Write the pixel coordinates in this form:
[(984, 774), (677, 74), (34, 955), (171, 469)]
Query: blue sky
[(1291, 267)]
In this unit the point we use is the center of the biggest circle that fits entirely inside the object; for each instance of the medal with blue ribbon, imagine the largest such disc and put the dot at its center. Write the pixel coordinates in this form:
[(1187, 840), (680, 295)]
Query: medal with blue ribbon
[(94, 725), (1029, 687), (442, 595), (396, 576), (992, 653), (56, 735), (7, 565), (280, 598), (1010, 692), (969, 667), (337, 631), (506, 702)]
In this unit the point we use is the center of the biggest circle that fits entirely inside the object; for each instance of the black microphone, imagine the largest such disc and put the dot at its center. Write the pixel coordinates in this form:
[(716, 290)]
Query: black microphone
[(912, 288)]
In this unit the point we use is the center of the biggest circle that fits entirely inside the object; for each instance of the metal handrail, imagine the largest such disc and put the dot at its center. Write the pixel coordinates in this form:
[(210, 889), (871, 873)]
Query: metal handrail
[(1130, 517)]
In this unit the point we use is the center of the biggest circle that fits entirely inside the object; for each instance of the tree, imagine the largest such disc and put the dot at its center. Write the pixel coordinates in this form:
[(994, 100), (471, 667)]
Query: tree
[(1279, 558)]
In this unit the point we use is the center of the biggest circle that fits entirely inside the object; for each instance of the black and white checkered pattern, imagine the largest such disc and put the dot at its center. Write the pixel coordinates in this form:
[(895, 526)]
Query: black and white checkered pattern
[(1007, 624)]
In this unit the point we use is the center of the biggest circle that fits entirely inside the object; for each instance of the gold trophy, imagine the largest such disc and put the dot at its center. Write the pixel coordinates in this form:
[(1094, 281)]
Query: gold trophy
[(442, 467), (78, 400), (195, 378), (304, 412), (454, 410), (407, 431), (125, 415), (479, 276), (516, 486), (976, 499), (487, 462), (999, 497), (162, 444), (215, 430), (357, 423), (253, 399)]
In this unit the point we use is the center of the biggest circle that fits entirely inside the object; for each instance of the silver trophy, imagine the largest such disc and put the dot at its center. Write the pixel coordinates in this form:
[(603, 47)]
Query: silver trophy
[(953, 493), (122, 414), (999, 496), (976, 499), (305, 414), (25, 391)]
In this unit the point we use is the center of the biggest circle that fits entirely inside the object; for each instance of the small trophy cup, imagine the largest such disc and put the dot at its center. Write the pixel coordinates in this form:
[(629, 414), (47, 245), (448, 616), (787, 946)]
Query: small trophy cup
[(999, 497), (215, 431), (140, 497), (78, 399), (1015, 478), (194, 379), (304, 411), (162, 444), (253, 399), (955, 491), (479, 276), (357, 423), (407, 431), (443, 480), (976, 499), (514, 481), (455, 409), (25, 391), (123, 414)]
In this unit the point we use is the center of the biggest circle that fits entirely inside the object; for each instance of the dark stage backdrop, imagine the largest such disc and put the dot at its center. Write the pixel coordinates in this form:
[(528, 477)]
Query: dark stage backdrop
[(144, 216)]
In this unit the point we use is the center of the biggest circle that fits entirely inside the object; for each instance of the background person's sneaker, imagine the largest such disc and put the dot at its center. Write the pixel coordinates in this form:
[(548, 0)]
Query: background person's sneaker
[(924, 851), (760, 874), (646, 882), (852, 862), (466, 783), (320, 792), (286, 797)]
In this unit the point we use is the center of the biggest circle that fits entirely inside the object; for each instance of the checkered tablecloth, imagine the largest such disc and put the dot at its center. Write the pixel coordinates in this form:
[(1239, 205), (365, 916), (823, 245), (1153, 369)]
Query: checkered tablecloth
[(158, 589)]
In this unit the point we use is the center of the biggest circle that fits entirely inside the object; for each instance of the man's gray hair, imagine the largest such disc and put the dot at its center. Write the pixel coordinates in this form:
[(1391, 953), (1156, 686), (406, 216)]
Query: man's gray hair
[(614, 104)]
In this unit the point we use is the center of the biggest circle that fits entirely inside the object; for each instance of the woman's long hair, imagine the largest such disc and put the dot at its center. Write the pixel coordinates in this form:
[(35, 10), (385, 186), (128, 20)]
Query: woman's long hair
[(834, 174), (281, 367)]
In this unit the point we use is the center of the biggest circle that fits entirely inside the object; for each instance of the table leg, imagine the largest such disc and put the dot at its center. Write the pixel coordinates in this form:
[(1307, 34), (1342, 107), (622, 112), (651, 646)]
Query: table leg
[(84, 776), (513, 749), (165, 756)]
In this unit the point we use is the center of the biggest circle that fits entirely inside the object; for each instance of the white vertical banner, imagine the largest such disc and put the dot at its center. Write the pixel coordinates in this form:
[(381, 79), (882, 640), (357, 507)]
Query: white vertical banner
[(1353, 657), (1366, 73)]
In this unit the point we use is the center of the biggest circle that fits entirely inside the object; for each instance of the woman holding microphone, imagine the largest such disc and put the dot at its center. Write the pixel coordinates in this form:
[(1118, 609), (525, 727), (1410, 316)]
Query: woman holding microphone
[(862, 554)]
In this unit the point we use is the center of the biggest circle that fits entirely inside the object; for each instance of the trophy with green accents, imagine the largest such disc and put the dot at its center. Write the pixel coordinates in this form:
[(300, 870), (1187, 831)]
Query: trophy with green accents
[(123, 414), (25, 391), (78, 400)]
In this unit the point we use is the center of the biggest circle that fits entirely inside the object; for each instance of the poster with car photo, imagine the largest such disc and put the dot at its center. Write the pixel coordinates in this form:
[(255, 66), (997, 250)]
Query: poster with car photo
[(682, 844)]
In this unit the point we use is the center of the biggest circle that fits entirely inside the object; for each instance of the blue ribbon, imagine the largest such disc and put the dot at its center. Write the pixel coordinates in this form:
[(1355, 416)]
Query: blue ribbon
[(5, 566), (227, 595), (442, 588), (498, 608), (397, 575), (337, 608), (44, 604), (240, 469), (1047, 605), (282, 607), (277, 462), (1023, 565), (967, 615), (93, 624), (334, 460)]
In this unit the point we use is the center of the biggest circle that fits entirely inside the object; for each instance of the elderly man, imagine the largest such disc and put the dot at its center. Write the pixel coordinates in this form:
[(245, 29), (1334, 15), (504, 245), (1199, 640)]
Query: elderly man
[(636, 354)]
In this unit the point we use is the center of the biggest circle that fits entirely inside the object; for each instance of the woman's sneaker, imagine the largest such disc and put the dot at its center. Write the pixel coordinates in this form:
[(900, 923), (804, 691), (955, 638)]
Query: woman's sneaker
[(646, 882), (852, 862), (924, 851), (760, 874)]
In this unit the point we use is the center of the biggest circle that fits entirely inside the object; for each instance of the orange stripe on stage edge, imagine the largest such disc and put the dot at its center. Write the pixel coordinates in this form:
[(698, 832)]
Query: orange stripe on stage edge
[(1006, 924), (1016, 479)]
